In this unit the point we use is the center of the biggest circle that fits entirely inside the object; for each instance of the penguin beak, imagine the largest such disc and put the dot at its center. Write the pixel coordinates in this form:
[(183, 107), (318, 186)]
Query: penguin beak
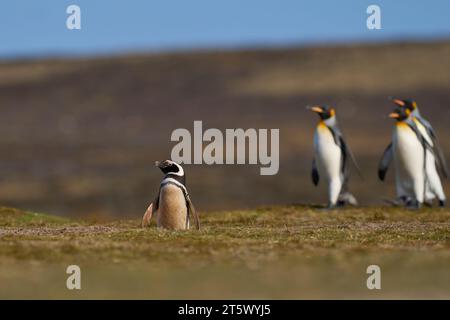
[(394, 115), (161, 164), (398, 102), (316, 109)]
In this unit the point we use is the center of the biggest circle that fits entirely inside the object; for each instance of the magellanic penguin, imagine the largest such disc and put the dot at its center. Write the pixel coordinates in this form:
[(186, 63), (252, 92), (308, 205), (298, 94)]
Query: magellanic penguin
[(172, 206), (331, 158), (434, 157)]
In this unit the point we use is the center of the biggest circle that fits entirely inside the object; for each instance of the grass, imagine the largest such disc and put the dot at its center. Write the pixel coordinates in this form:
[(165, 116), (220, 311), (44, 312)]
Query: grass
[(271, 252)]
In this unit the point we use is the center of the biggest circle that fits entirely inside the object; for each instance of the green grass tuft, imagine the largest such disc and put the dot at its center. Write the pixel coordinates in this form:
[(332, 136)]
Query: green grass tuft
[(10, 217)]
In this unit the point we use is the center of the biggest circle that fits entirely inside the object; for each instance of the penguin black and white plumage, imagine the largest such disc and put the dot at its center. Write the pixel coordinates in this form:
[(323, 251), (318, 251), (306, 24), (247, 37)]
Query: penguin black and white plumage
[(331, 158), (434, 156), (409, 150), (172, 206)]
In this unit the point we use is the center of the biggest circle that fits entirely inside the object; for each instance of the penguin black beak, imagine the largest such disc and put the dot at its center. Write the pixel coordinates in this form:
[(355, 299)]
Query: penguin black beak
[(161, 164)]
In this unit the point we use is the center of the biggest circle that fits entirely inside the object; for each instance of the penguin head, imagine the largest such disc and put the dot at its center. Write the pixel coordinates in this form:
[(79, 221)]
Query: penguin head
[(411, 105), (400, 114), (324, 112), (169, 167)]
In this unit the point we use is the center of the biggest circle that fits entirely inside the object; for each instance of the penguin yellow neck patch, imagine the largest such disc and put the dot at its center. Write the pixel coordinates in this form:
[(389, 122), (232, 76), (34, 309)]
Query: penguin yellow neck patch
[(236, 143), (402, 124), (322, 125)]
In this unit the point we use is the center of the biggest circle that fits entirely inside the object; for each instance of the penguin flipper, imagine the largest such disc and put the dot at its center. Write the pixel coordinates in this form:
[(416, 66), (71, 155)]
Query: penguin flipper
[(385, 161), (315, 173), (346, 153), (436, 149), (427, 126), (440, 160), (147, 216), (191, 210), (149, 213)]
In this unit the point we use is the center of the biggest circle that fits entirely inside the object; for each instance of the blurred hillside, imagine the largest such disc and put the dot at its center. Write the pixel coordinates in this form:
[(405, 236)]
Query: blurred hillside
[(80, 136)]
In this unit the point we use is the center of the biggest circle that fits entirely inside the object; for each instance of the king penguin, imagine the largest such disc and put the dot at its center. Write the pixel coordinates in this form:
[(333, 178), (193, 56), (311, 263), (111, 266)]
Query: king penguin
[(408, 150), (173, 207), (434, 157), (331, 155)]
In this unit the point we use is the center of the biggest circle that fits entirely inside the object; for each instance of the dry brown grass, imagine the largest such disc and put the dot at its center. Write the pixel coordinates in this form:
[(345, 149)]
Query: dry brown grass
[(273, 252)]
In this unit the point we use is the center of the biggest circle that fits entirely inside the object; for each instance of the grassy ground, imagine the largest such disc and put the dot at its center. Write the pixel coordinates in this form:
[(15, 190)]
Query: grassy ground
[(274, 252)]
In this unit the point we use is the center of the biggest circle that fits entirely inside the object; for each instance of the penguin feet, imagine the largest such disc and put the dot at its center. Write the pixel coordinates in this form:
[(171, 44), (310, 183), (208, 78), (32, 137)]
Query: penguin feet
[(428, 204), (346, 198), (395, 202), (413, 204), (406, 200), (339, 204), (331, 207)]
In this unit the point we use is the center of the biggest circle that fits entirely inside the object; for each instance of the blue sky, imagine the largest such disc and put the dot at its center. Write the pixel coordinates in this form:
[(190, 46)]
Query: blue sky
[(38, 27)]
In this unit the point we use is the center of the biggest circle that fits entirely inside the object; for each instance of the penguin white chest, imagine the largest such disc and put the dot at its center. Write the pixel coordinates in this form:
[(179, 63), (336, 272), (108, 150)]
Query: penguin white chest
[(408, 151), (172, 211), (328, 153)]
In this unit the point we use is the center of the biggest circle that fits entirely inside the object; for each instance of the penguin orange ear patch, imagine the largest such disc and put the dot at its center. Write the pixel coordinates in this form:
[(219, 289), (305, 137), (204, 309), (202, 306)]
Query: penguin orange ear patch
[(332, 112)]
